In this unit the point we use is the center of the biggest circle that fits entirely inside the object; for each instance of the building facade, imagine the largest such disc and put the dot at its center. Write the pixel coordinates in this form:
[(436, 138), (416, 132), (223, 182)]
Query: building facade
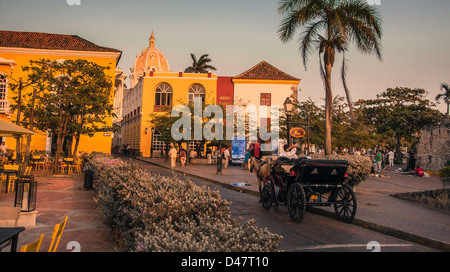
[(156, 89), (17, 49)]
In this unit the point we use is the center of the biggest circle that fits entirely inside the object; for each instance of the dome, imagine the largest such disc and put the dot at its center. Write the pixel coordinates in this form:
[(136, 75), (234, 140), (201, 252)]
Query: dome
[(151, 59)]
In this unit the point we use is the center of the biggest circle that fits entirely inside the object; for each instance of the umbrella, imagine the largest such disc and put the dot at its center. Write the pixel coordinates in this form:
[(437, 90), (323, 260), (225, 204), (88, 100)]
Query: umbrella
[(9, 129)]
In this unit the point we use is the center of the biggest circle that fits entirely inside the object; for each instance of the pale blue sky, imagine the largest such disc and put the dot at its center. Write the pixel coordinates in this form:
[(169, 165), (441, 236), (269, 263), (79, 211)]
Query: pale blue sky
[(239, 34)]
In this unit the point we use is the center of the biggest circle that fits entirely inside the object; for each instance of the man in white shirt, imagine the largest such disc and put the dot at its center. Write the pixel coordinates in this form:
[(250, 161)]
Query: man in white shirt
[(391, 155), (3, 149), (289, 152), (173, 156), (226, 155)]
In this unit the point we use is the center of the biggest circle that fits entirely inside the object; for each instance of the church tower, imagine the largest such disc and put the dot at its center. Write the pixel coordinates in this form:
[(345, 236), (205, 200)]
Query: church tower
[(149, 60)]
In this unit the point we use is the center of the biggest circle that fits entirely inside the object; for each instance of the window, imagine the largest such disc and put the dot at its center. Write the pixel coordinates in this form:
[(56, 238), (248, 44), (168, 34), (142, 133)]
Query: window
[(266, 99), (163, 95), (196, 90), (3, 92)]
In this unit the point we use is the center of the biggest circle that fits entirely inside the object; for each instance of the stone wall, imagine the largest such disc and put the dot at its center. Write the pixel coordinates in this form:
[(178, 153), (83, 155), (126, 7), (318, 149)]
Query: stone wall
[(435, 199), (433, 150)]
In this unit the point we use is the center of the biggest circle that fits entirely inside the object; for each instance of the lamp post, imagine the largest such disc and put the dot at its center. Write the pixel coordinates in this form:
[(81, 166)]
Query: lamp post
[(288, 106)]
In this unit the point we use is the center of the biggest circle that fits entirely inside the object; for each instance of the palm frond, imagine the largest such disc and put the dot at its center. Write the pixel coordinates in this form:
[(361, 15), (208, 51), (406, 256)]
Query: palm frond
[(344, 83)]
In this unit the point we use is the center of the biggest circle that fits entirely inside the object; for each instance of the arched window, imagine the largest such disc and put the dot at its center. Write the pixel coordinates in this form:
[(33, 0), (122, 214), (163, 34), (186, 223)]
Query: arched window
[(3, 92), (163, 95), (196, 90)]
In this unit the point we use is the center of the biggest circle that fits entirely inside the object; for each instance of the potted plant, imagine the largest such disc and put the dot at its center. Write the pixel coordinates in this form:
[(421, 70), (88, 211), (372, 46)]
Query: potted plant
[(444, 174)]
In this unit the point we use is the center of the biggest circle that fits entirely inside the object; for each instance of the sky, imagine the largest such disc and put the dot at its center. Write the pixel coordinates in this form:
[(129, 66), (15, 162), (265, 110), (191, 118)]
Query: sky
[(239, 34)]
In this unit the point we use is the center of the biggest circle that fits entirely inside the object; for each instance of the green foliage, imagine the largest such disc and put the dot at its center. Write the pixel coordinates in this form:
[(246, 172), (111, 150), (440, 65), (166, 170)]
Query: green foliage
[(358, 170), (445, 96), (165, 214), (201, 65), (444, 172), (401, 112)]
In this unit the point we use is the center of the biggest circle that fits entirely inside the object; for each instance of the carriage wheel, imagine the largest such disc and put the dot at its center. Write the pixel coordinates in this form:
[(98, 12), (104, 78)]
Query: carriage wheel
[(345, 206), (296, 202), (267, 196)]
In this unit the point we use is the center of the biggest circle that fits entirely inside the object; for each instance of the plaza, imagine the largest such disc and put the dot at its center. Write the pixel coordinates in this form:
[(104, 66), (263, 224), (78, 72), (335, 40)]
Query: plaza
[(108, 110)]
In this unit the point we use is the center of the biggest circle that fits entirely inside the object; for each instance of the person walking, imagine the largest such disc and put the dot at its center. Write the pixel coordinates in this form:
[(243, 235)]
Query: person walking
[(226, 156), (391, 156), (183, 157), (379, 159), (173, 156)]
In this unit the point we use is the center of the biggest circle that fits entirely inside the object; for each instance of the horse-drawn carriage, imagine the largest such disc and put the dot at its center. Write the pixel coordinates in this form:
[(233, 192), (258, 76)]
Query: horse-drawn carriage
[(300, 183)]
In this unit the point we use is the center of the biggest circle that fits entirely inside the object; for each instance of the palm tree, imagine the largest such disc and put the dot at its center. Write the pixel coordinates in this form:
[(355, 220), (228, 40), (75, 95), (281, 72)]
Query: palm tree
[(200, 66), (445, 96), (330, 27)]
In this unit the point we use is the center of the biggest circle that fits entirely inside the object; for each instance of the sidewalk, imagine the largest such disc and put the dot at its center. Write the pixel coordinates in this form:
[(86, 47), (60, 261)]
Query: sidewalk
[(61, 196), (377, 209)]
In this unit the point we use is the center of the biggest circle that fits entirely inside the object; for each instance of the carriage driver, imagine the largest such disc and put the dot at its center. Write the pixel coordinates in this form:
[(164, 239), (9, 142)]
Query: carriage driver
[(289, 151)]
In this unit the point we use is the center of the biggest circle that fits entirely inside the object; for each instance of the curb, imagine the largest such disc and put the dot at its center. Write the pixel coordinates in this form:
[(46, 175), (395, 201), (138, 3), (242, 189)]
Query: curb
[(425, 241)]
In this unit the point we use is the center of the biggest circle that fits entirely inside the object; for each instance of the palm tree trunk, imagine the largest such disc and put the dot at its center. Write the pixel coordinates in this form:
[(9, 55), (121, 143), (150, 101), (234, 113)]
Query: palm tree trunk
[(328, 108)]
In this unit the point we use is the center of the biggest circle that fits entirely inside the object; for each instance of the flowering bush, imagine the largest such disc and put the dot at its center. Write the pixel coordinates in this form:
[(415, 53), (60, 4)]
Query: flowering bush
[(156, 213), (358, 170)]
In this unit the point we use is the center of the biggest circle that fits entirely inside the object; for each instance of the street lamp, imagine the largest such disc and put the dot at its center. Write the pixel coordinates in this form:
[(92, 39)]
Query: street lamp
[(288, 107)]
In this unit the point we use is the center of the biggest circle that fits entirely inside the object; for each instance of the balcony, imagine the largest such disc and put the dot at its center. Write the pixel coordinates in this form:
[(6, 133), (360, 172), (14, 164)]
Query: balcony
[(162, 108)]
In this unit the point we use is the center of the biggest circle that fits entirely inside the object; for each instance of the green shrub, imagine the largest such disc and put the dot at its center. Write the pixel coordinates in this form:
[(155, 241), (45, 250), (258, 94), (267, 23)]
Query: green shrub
[(358, 170), (444, 172), (155, 213)]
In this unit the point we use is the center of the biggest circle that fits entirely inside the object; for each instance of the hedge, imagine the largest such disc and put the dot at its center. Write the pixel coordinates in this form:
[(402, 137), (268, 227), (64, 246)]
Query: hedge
[(152, 213)]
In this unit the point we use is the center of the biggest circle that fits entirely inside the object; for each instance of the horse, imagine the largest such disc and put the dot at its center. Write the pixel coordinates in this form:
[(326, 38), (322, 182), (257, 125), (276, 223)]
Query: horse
[(263, 169)]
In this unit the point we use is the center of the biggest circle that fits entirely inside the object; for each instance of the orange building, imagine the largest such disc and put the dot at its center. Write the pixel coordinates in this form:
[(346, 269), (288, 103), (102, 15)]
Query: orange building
[(18, 48)]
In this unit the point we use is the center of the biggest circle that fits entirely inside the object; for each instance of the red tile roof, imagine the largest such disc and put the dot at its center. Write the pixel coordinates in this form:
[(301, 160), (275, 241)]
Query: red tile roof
[(265, 71), (37, 40)]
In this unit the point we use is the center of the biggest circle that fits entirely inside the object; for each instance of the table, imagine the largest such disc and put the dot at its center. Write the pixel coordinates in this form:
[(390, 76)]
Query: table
[(7, 234)]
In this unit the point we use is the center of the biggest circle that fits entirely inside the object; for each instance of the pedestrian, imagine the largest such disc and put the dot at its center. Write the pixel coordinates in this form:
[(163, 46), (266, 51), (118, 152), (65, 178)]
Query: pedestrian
[(173, 156), (378, 159), (3, 149), (226, 156), (391, 155), (246, 159), (183, 157)]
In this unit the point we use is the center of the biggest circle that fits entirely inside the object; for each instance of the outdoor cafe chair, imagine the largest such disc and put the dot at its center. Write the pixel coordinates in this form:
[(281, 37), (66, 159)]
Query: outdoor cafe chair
[(34, 246), (35, 160), (75, 166), (10, 180), (56, 236)]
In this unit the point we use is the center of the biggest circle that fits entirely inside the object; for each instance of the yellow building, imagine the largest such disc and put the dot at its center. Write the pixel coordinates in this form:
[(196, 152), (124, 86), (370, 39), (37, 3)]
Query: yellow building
[(18, 48), (155, 88)]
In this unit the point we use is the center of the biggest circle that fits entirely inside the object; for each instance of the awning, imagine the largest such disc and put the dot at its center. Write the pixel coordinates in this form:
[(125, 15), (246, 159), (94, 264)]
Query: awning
[(9, 129)]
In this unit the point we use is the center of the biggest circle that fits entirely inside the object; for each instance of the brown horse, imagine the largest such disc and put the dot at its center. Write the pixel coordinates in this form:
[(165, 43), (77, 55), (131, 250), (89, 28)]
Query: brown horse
[(262, 172)]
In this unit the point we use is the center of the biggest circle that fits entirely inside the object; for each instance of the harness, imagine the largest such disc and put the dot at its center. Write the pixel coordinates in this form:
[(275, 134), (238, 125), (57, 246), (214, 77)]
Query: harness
[(258, 172)]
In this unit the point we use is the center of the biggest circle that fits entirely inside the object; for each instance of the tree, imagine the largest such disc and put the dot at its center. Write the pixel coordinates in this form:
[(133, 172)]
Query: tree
[(201, 65), (330, 27), (76, 94), (401, 112), (25, 103), (445, 96)]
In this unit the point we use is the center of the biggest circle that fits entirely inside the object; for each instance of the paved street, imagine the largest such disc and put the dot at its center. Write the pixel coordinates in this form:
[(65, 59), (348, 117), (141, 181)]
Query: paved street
[(377, 209), (60, 196), (314, 233)]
